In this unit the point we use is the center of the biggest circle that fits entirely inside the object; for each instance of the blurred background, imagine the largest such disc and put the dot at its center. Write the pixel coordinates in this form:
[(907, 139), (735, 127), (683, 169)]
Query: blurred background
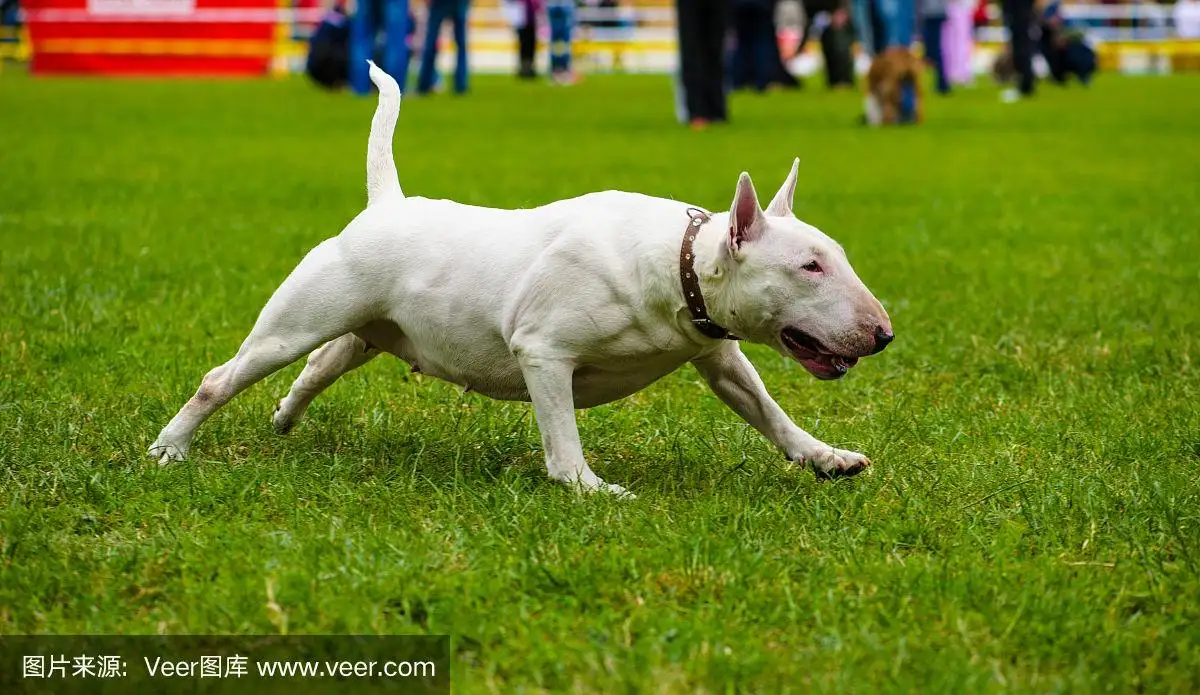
[(266, 37)]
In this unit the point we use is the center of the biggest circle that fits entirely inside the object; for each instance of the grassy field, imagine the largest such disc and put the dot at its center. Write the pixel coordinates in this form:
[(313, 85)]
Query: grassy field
[(1031, 523)]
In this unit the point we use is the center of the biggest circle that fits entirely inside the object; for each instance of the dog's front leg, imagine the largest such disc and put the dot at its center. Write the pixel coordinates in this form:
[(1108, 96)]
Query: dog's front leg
[(550, 389), (734, 380)]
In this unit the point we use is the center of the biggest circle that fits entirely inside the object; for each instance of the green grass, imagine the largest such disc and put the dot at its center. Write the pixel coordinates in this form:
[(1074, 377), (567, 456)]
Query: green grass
[(1031, 523)]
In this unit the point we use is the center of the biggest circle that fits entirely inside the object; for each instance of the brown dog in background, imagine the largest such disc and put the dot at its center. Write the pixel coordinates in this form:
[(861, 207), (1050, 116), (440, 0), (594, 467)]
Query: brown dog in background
[(894, 88)]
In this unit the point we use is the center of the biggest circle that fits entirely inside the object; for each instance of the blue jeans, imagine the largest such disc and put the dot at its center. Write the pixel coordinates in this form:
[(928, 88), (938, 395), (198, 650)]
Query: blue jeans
[(931, 36), (562, 21), (364, 26), (898, 18), (883, 23), (440, 11)]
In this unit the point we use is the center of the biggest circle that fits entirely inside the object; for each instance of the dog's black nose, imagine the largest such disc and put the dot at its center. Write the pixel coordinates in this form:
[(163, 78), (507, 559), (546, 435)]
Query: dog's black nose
[(882, 338)]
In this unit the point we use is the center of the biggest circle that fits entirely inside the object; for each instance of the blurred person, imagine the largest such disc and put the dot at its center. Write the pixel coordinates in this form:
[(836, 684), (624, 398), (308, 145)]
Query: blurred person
[(813, 22), (756, 51), (837, 48), (780, 74), (829, 19), (10, 13), (883, 24), (1066, 52), (899, 19), (369, 20), (867, 27), (561, 15), (328, 62), (439, 12), (522, 16), (933, 21), (958, 42), (701, 97), (1018, 17), (756, 58)]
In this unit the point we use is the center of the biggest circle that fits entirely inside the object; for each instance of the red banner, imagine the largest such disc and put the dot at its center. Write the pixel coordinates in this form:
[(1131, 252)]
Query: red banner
[(152, 37)]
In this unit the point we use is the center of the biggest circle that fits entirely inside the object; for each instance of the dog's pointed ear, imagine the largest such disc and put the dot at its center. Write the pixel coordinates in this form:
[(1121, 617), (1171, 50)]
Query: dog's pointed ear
[(746, 221), (781, 204)]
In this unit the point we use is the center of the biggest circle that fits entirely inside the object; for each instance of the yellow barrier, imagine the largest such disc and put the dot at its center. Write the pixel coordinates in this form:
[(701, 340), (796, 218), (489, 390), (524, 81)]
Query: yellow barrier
[(172, 47)]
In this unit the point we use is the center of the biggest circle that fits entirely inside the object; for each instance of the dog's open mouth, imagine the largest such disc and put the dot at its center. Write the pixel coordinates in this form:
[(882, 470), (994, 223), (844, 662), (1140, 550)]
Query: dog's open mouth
[(816, 358)]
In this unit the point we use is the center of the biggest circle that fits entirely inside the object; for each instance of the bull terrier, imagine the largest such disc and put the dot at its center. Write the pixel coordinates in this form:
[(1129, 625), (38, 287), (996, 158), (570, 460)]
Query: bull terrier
[(569, 305)]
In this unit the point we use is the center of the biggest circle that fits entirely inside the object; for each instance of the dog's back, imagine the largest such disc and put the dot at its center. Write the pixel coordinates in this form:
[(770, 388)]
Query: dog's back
[(894, 88)]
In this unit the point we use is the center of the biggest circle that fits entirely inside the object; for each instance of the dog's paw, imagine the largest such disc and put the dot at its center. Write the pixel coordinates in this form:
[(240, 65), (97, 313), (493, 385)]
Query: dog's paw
[(282, 419), (166, 452), (614, 490), (591, 483), (838, 463)]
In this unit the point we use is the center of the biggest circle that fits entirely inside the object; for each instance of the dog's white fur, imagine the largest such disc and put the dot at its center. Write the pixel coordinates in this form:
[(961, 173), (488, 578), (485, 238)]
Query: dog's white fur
[(568, 305)]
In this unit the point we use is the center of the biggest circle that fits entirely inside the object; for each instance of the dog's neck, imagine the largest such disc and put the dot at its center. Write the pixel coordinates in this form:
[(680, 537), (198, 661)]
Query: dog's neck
[(712, 266)]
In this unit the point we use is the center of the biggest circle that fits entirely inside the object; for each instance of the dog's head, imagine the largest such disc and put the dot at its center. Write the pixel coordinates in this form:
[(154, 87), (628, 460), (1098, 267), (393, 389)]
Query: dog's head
[(786, 284)]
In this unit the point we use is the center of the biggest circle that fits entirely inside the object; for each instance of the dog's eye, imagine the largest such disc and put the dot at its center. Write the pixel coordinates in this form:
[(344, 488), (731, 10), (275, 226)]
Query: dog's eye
[(812, 267)]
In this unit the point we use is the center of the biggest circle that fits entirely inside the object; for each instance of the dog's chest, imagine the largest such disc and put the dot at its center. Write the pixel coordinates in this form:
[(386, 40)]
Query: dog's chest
[(600, 383), (497, 374)]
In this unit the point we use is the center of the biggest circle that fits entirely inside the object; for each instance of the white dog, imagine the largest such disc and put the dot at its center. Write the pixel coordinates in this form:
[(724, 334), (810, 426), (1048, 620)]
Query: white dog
[(569, 305)]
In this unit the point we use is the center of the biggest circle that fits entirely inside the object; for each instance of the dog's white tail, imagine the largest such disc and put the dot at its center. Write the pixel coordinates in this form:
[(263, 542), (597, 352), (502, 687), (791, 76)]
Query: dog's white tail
[(382, 180)]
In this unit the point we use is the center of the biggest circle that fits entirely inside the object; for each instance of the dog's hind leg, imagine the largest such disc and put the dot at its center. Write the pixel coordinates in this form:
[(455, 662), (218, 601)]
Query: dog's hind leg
[(317, 302), (325, 365)]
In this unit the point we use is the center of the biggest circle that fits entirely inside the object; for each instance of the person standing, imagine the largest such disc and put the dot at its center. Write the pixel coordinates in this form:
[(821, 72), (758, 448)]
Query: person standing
[(933, 20), (899, 21), (327, 64), (883, 24), (439, 12), (702, 25), (837, 42), (369, 17), (522, 14), (561, 14), (958, 41), (756, 52), (1018, 17)]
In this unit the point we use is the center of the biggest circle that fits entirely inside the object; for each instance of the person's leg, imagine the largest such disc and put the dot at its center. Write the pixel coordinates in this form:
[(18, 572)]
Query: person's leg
[(691, 57), (956, 43), (906, 22), (396, 55), (1055, 58), (860, 17), (1082, 61), (362, 47), (562, 17), (433, 27), (897, 18), (715, 30), (765, 45), (527, 40), (741, 59), (810, 16), (1018, 15), (888, 12), (779, 71), (932, 38), (879, 32), (462, 70)]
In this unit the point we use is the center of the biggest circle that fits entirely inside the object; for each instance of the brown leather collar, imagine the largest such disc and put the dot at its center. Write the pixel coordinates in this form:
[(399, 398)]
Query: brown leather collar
[(691, 283)]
